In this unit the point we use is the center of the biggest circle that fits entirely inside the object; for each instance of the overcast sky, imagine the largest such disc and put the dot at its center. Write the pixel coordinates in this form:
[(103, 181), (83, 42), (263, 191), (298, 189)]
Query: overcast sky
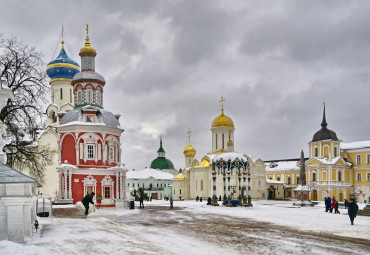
[(167, 63)]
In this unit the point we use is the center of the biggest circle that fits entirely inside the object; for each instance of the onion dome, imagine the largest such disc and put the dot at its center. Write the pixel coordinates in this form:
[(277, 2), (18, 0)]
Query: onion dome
[(324, 133), (222, 121), (161, 162), (189, 150), (62, 68)]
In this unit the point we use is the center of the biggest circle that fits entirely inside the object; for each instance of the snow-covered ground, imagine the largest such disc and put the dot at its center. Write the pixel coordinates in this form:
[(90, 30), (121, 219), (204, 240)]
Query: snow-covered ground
[(269, 227)]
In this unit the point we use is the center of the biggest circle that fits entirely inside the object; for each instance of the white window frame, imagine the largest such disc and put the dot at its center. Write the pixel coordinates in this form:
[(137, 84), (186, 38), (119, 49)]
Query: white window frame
[(98, 97), (358, 159), (111, 153), (90, 149), (89, 96), (357, 177), (79, 96)]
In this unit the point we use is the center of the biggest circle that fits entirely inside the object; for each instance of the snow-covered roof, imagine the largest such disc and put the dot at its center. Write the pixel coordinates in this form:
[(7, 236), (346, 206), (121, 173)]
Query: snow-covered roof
[(282, 166), (10, 175), (355, 145), (148, 173), (67, 166), (75, 117), (300, 187), (326, 161), (230, 156)]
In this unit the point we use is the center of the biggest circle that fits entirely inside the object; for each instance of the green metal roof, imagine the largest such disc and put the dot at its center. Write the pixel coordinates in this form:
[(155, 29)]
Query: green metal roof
[(161, 163)]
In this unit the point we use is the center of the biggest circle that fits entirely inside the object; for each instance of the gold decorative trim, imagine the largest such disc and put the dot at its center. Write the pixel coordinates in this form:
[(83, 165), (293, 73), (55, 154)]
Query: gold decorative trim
[(65, 65)]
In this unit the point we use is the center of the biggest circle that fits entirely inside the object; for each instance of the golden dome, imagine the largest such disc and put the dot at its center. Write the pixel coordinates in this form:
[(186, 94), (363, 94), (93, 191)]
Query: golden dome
[(189, 151), (180, 176), (222, 121), (230, 143), (87, 47)]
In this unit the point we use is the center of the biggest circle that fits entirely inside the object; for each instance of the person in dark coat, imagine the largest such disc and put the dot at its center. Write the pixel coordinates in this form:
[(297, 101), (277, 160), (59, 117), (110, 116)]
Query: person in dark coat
[(200, 199), (345, 203), (197, 199), (329, 202), (326, 204), (352, 210), (141, 201), (171, 202), (209, 201), (86, 200)]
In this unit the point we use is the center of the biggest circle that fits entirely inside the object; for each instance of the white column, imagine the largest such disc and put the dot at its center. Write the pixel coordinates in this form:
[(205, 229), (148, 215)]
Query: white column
[(113, 196), (117, 185), (65, 184), (121, 186), (70, 185), (60, 186)]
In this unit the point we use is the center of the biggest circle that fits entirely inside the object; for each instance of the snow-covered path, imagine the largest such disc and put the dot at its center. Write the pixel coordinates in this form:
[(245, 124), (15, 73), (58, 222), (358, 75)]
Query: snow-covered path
[(270, 227)]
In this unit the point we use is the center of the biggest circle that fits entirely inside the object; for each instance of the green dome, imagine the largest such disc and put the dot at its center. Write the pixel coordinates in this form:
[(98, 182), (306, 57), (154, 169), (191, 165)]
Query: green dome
[(161, 163)]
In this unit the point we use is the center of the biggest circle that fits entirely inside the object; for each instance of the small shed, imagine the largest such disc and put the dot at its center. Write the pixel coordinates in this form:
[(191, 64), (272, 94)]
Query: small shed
[(17, 204)]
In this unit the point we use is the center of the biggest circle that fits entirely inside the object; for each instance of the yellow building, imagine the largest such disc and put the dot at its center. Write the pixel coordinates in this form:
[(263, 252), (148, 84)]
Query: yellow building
[(333, 169)]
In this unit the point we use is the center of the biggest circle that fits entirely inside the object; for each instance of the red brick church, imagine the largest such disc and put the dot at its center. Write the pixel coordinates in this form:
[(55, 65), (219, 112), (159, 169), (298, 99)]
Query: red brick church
[(89, 140)]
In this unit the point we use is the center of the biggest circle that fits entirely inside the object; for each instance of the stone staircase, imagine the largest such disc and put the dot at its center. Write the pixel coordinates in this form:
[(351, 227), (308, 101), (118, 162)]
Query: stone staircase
[(364, 212)]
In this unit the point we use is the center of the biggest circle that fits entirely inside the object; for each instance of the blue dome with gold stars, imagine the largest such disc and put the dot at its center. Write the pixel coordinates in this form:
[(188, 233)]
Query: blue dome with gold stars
[(62, 67)]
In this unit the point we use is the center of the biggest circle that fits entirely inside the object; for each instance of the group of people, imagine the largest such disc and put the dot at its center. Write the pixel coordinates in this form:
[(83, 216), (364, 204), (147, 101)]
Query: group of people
[(351, 205), (331, 205), (200, 199)]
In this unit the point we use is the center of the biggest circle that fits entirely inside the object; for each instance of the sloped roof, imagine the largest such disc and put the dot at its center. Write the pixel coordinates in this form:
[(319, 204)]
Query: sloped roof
[(147, 173), (283, 166), (355, 145), (10, 175)]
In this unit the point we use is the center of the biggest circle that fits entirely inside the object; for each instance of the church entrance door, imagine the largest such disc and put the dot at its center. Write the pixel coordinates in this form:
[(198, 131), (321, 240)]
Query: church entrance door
[(154, 195), (314, 195)]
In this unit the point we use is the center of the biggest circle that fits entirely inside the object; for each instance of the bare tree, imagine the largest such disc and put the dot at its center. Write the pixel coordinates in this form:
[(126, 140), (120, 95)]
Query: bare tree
[(22, 68)]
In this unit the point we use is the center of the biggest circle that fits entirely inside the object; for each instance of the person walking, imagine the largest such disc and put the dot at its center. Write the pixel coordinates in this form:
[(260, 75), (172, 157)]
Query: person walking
[(171, 202), (352, 210), (326, 204), (200, 199), (333, 205), (141, 201), (86, 200), (329, 203), (197, 199), (336, 207), (345, 203)]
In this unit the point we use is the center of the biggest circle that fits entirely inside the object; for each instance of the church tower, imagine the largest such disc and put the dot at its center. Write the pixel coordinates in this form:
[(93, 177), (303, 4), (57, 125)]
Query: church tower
[(189, 152), (61, 72), (222, 131), (90, 139), (325, 143)]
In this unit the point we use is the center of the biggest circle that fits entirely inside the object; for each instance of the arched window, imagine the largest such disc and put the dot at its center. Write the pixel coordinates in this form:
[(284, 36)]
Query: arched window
[(335, 151), (288, 180), (201, 185), (79, 97), (98, 97), (61, 94), (89, 93), (339, 175), (313, 177), (216, 140), (223, 141), (316, 152), (111, 153)]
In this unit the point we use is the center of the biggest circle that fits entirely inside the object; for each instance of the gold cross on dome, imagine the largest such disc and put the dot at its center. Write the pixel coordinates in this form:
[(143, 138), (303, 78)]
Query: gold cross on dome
[(189, 132), (222, 103), (87, 29)]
